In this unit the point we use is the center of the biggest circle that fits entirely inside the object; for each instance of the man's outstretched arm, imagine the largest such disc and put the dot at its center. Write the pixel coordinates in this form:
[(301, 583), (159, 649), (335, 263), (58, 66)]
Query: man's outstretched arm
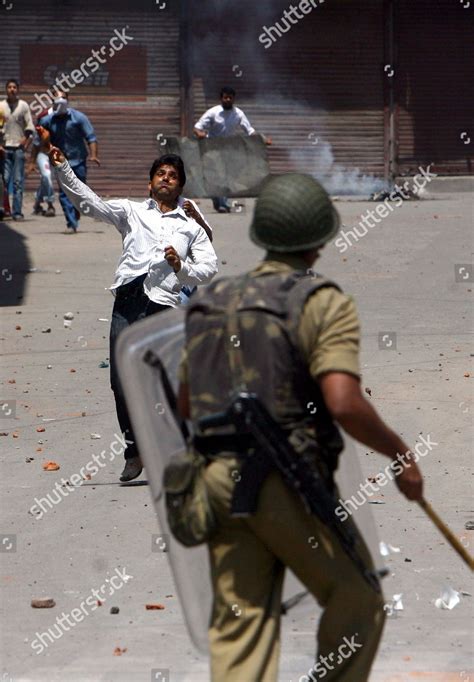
[(81, 196)]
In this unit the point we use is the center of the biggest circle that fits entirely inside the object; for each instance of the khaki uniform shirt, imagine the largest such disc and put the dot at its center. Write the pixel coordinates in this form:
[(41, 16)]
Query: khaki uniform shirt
[(329, 328)]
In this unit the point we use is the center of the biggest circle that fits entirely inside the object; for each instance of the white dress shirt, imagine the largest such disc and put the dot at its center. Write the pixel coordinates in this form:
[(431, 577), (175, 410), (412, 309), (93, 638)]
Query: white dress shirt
[(220, 122), (146, 231)]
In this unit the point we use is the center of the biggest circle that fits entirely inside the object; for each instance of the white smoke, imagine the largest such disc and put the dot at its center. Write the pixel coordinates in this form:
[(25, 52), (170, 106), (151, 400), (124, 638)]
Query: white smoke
[(294, 113), (337, 179)]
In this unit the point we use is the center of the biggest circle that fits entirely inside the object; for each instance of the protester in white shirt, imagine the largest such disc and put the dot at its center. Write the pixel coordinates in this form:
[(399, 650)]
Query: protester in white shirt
[(18, 129), (164, 248), (224, 120)]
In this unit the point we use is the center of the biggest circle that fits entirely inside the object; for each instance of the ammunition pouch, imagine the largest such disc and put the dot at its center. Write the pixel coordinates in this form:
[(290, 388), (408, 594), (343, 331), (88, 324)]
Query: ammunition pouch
[(190, 515)]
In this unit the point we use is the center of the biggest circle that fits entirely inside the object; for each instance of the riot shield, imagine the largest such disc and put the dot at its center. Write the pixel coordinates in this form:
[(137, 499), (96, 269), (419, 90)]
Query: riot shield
[(161, 337), (233, 166)]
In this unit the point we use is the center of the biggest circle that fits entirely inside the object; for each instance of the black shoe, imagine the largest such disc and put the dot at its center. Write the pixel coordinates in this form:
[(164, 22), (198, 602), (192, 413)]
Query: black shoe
[(133, 468), (18, 217), (50, 212), (38, 209)]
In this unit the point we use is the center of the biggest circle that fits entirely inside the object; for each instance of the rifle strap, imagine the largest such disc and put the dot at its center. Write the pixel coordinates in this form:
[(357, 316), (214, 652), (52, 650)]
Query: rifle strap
[(233, 344)]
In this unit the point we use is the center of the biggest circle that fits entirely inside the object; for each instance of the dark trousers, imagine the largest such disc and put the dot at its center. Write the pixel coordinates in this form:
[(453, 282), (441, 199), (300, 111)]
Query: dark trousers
[(221, 204), (131, 305)]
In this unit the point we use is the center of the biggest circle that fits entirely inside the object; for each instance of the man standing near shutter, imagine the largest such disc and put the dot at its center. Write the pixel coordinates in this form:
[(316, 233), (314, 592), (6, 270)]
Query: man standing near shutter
[(18, 129)]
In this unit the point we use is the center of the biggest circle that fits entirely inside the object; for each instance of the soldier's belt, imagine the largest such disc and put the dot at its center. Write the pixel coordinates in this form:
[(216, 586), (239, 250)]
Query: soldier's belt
[(227, 445)]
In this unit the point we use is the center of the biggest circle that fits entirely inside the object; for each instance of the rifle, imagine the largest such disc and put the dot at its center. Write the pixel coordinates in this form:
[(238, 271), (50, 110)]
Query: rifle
[(249, 416)]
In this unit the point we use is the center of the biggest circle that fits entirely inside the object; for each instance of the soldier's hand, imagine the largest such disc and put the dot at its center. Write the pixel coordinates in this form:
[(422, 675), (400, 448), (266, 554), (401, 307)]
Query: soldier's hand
[(410, 481), (172, 258)]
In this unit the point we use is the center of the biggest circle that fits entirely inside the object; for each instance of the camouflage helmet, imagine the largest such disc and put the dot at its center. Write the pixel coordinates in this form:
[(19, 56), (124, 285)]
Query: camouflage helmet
[(293, 213)]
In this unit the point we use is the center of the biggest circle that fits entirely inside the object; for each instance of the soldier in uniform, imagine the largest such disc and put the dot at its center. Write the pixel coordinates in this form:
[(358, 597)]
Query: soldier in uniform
[(298, 339)]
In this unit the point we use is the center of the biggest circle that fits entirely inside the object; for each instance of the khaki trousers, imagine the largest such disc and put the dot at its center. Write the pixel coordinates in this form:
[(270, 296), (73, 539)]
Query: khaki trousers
[(248, 558)]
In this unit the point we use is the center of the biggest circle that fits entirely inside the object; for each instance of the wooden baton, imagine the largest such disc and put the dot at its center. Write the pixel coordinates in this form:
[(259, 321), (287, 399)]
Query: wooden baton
[(448, 534)]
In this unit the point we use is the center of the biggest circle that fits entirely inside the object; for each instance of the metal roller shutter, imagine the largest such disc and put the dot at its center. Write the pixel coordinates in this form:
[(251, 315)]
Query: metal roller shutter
[(434, 85), (130, 100)]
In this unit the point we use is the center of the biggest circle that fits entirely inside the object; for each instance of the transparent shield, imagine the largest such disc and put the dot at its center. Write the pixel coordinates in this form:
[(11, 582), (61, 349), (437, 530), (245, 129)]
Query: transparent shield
[(159, 439)]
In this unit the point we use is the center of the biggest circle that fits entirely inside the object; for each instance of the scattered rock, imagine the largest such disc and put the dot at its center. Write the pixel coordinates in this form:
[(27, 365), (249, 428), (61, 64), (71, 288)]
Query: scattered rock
[(469, 525), (29, 459), (46, 330), (466, 374), (43, 603), (118, 651), (368, 391), (18, 327), (51, 466), (155, 607), (114, 609), (95, 436), (40, 429), (68, 316), (103, 364), (15, 435)]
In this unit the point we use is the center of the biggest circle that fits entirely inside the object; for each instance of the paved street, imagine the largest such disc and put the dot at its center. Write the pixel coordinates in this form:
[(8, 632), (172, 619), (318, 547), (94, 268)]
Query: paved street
[(417, 364)]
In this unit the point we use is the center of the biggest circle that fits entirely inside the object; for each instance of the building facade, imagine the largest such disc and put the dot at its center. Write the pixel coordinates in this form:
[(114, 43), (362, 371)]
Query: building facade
[(378, 86)]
